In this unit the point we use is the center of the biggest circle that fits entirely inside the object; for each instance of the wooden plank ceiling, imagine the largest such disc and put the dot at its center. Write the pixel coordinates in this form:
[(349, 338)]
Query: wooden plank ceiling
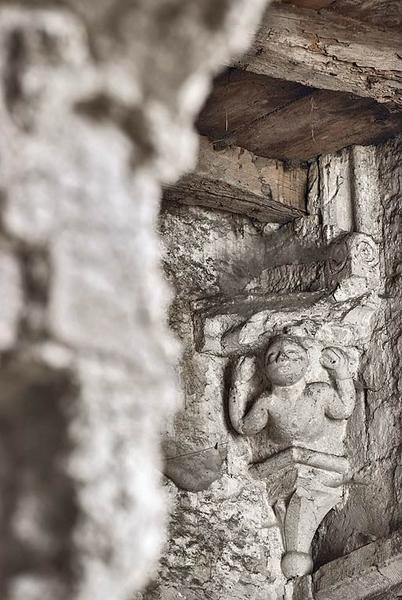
[(280, 116), (320, 76), (290, 121), (382, 13)]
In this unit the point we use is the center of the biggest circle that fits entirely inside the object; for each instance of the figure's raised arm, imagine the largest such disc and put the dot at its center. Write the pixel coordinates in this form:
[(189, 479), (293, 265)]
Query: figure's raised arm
[(243, 385), (342, 401)]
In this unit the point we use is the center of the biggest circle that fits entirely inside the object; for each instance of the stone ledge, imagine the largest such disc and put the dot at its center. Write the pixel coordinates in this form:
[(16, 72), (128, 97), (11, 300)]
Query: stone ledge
[(373, 571)]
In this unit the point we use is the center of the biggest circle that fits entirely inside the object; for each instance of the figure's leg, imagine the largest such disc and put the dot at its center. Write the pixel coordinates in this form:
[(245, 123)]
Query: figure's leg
[(304, 513)]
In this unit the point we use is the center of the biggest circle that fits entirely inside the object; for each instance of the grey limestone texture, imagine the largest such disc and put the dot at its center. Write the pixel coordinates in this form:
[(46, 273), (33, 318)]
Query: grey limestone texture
[(374, 504), (328, 280), (306, 420), (370, 572), (96, 110)]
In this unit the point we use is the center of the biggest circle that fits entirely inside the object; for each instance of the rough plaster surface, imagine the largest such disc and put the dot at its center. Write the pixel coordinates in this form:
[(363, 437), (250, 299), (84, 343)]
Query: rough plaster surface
[(96, 111)]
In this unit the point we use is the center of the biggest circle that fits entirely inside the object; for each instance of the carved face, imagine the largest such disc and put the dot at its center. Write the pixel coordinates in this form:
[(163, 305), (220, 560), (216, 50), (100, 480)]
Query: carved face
[(286, 361)]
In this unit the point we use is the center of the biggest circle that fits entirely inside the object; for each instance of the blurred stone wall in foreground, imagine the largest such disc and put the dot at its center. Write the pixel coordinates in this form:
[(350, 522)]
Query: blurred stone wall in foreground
[(96, 110)]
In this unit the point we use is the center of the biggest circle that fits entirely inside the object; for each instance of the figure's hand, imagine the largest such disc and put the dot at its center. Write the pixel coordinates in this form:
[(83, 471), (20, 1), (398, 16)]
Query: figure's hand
[(336, 362), (245, 369)]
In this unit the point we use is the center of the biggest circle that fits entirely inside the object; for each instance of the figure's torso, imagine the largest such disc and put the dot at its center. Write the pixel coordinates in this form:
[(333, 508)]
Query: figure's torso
[(301, 418)]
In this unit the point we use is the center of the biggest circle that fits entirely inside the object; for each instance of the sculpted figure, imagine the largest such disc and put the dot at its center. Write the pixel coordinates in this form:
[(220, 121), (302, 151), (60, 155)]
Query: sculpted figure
[(296, 412), (307, 420)]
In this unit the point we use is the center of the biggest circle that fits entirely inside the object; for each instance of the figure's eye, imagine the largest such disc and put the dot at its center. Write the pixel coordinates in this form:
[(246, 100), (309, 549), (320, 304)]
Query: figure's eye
[(271, 358)]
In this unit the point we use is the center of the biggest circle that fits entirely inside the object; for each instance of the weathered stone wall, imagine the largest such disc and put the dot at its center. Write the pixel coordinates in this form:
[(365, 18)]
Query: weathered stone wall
[(224, 538), (372, 508), (221, 542), (96, 110), (224, 541)]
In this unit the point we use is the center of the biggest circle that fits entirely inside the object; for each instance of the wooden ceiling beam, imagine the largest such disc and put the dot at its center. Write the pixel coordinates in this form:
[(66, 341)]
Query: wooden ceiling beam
[(290, 121), (237, 181), (326, 50)]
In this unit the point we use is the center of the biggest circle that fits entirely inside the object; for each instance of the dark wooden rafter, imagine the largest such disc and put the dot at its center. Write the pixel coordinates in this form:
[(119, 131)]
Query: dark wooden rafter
[(290, 121), (313, 82)]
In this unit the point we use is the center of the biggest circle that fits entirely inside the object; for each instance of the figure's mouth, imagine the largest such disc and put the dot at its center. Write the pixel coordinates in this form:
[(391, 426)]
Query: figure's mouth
[(284, 365)]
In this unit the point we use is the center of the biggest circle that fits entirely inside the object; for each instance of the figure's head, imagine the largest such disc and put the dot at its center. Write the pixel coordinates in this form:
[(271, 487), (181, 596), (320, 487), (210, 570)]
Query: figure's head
[(286, 361)]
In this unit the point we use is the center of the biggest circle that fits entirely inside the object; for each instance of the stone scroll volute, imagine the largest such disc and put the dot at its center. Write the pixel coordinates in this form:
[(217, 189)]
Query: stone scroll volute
[(306, 421)]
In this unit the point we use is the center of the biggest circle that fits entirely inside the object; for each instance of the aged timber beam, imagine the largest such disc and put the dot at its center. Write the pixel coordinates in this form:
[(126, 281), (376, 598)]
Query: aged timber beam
[(327, 50), (290, 121), (238, 181)]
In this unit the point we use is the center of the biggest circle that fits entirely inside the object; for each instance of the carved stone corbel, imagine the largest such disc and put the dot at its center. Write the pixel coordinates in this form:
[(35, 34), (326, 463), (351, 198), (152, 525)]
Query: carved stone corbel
[(306, 422), (304, 349), (302, 485)]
